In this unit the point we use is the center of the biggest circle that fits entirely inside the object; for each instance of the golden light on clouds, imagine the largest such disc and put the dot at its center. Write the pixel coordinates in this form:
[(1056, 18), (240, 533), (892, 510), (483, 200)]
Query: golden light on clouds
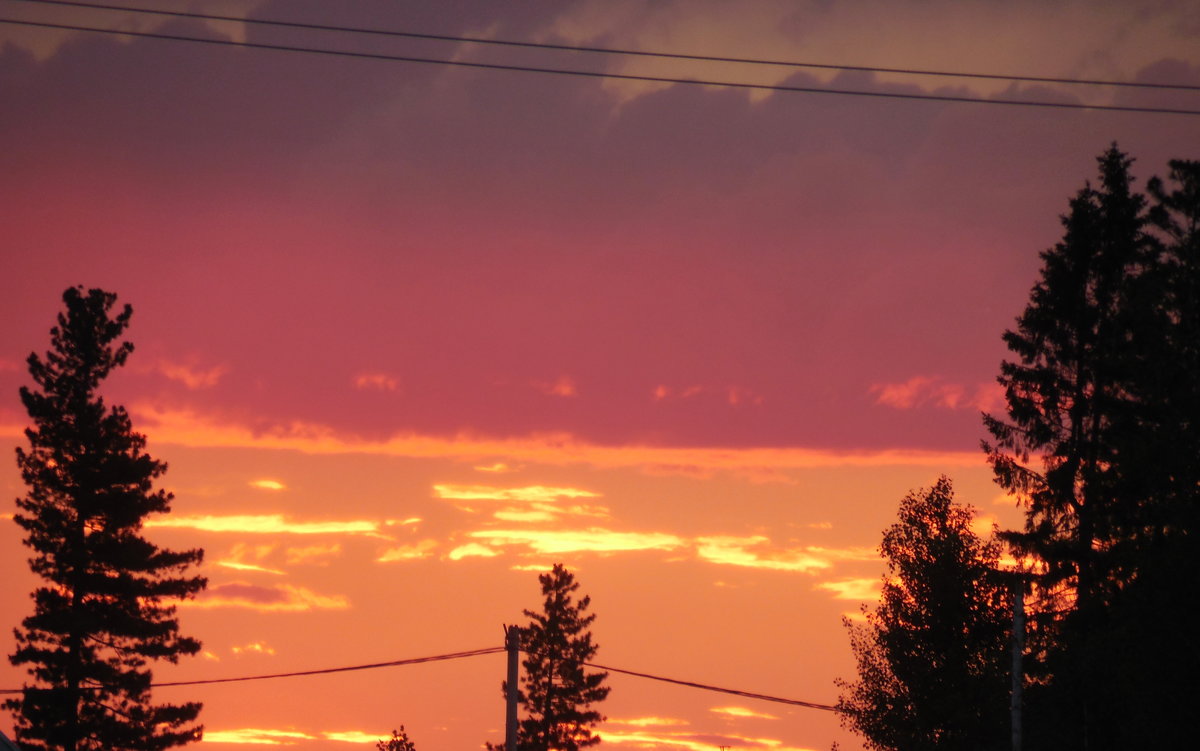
[(642, 722), (494, 467), (422, 549), (189, 428), (256, 736), (353, 736), (265, 524), (594, 540), (530, 493), (267, 484), (752, 552), (853, 589), (312, 554), (472, 550), (691, 741), (742, 712), (254, 647), (239, 566)]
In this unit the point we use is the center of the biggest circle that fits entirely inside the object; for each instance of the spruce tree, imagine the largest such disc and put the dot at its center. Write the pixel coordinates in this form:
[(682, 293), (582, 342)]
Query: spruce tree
[(557, 691), (1099, 440), (932, 656), (1071, 399), (104, 610)]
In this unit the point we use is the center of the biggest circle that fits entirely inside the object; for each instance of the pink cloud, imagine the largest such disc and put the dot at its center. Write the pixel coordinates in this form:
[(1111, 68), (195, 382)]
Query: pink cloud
[(920, 391), (376, 381)]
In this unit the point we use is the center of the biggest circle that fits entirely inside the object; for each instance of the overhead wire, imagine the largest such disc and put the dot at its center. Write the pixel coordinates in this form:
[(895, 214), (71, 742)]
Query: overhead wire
[(718, 689), (606, 75), (476, 653), (616, 50), (320, 671)]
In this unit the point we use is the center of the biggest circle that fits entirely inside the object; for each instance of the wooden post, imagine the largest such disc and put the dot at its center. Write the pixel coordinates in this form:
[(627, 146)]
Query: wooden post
[(512, 642), (1018, 651)]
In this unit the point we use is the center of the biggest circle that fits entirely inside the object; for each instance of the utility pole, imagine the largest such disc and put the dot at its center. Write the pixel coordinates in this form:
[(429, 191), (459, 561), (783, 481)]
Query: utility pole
[(1018, 652), (512, 643)]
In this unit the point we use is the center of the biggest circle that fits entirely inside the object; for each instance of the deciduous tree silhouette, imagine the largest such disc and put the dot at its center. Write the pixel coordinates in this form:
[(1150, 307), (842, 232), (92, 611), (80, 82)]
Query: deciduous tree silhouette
[(932, 656), (557, 692), (104, 611)]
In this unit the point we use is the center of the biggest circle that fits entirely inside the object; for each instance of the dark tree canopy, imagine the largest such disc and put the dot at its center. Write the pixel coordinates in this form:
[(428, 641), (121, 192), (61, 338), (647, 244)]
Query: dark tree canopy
[(932, 657), (1100, 443), (398, 742), (557, 691), (104, 610)]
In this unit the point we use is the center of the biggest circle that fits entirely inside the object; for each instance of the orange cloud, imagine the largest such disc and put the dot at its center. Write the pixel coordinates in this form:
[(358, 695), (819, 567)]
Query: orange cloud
[(185, 428), (422, 549), (376, 381), (594, 540), (192, 378), (751, 552), (494, 467), (279, 598), (266, 484), (853, 589), (312, 554), (264, 524)]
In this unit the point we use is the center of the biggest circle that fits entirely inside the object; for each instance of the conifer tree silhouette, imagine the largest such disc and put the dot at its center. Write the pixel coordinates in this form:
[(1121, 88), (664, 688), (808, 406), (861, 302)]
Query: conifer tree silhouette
[(557, 691), (104, 611)]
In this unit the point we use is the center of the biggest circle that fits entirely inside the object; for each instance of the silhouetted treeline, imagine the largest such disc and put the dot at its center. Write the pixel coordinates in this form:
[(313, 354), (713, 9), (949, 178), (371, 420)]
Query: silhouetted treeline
[(1100, 444)]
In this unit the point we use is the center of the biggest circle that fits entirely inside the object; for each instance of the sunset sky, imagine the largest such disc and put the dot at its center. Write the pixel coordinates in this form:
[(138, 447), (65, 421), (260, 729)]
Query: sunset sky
[(408, 333)]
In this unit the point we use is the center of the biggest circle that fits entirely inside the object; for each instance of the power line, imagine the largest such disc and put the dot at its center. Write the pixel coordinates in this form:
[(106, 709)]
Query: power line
[(475, 653), (620, 51), (615, 76), (322, 671), (718, 689)]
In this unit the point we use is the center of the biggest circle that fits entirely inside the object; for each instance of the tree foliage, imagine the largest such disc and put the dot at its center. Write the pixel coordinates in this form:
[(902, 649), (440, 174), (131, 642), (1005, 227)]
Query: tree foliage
[(932, 657), (104, 610), (398, 742), (1100, 442), (557, 691)]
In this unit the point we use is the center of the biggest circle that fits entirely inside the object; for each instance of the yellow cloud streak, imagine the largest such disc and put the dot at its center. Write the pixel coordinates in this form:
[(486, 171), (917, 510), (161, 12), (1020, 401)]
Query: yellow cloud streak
[(853, 589), (352, 736), (239, 566), (742, 712), (267, 484), (471, 550), (422, 549), (690, 741), (531, 493), (187, 428), (257, 736), (264, 524), (594, 540), (738, 551)]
